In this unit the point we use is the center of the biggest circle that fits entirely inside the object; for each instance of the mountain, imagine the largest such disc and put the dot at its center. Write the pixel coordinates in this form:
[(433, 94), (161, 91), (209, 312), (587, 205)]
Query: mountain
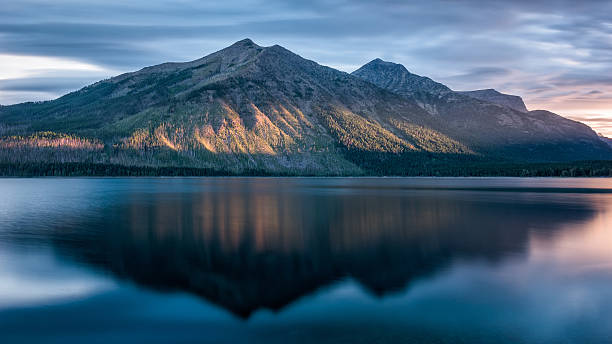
[(253, 109), (398, 79), (487, 127), (244, 107), (493, 96)]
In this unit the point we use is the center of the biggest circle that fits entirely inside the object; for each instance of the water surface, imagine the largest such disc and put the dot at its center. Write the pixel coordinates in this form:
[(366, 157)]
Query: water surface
[(301, 260)]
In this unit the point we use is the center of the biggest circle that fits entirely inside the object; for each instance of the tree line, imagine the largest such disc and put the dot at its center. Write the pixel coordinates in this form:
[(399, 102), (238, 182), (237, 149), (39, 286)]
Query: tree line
[(440, 169)]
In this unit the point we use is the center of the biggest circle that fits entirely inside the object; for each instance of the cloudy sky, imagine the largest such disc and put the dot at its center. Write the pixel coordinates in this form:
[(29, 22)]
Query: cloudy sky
[(556, 54)]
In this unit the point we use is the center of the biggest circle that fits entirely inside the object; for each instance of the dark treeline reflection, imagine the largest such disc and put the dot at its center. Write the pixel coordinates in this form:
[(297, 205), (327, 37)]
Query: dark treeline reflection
[(264, 243)]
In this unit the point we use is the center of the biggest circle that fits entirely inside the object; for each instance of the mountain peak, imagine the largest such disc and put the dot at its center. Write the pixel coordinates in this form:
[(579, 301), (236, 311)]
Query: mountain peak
[(227, 59), (246, 50), (243, 46), (247, 42), (378, 60), (397, 78), (380, 63)]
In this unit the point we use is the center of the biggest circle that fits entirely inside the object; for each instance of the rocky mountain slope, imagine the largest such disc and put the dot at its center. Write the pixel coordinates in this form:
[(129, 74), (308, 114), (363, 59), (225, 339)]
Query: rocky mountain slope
[(248, 107), (396, 78), (487, 127), (493, 96)]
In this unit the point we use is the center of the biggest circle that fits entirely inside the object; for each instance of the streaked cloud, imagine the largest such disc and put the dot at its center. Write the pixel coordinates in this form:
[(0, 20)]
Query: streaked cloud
[(15, 66), (32, 78)]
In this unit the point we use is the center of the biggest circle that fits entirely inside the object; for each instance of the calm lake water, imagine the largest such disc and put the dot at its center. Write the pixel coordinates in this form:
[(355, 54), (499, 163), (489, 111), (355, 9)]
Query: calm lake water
[(272, 260)]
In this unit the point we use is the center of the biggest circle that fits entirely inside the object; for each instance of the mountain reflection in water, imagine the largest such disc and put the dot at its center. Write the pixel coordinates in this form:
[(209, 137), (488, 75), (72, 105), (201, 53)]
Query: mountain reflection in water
[(290, 245), (249, 244)]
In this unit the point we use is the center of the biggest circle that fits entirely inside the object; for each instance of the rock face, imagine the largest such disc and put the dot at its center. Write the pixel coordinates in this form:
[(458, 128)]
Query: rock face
[(248, 107), (492, 96)]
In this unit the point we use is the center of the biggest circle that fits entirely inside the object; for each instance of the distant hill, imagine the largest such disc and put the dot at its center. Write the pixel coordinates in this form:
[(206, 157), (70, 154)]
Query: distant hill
[(249, 108)]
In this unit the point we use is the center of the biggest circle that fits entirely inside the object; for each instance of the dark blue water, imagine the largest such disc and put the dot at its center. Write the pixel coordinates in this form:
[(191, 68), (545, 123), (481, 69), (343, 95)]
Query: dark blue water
[(266, 260)]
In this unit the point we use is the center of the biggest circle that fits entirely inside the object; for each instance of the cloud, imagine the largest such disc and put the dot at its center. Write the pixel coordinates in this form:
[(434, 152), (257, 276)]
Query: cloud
[(17, 66), (592, 118), (29, 78), (480, 75), (47, 85), (601, 123)]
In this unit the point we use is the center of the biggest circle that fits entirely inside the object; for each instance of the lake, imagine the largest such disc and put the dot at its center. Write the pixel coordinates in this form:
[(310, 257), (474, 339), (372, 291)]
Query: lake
[(302, 260)]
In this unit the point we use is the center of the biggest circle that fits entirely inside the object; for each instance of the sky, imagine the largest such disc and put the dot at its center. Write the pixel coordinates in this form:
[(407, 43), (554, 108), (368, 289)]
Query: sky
[(557, 55)]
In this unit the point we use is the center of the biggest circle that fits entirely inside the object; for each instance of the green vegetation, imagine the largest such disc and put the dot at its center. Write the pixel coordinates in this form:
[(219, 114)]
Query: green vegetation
[(356, 132), (429, 140)]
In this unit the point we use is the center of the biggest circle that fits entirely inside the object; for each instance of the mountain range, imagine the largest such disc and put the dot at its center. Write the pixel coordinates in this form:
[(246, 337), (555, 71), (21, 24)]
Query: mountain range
[(253, 108)]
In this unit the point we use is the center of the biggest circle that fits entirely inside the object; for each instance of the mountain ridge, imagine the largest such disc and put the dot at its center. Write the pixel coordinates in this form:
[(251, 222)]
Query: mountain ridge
[(516, 134), (248, 107), (494, 96)]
